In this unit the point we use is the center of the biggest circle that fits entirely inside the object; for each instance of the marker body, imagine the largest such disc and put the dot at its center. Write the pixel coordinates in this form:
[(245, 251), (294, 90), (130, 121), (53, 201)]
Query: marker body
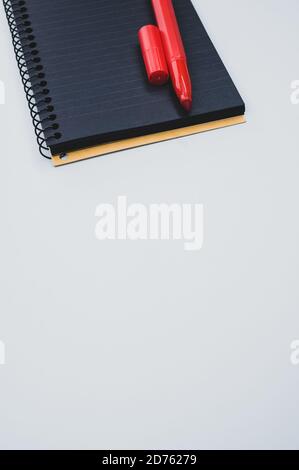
[(174, 51)]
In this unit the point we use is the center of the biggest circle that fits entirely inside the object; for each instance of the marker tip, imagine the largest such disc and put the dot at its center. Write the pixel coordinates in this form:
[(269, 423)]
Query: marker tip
[(186, 103)]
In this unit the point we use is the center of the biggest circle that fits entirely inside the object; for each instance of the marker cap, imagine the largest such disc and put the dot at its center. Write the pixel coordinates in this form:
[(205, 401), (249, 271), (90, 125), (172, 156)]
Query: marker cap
[(153, 55)]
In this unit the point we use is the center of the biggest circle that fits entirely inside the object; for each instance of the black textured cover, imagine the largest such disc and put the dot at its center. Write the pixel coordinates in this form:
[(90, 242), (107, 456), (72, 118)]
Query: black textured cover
[(96, 78)]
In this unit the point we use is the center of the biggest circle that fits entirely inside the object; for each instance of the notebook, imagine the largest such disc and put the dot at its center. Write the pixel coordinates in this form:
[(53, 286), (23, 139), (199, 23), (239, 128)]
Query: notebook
[(86, 83)]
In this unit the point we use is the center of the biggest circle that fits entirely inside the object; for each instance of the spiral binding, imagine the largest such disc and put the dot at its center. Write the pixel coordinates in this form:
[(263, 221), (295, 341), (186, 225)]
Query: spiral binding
[(32, 75)]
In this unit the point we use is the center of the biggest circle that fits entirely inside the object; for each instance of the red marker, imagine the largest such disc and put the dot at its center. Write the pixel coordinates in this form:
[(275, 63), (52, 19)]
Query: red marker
[(174, 51), (153, 54)]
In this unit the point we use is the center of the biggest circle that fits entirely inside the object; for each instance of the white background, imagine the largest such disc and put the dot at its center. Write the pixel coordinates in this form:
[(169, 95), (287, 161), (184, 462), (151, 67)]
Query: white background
[(141, 344)]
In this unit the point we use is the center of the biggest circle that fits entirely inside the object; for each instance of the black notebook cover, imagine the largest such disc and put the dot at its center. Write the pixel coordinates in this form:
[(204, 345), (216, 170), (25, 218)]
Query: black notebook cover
[(87, 77)]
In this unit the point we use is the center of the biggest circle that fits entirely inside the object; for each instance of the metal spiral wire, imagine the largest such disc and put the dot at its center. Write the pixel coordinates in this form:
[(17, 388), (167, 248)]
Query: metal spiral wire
[(32, 74)]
